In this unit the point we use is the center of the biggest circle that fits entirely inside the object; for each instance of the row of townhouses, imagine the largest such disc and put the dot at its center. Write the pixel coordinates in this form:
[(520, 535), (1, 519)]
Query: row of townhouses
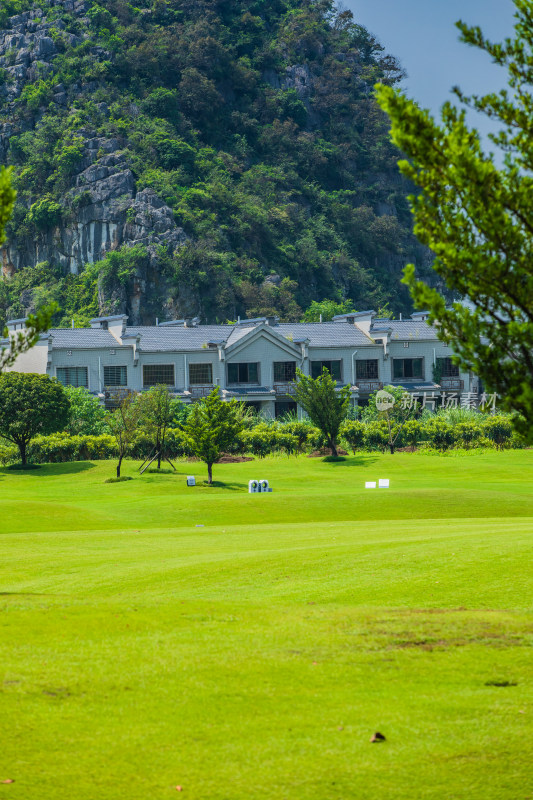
[(254, 360)]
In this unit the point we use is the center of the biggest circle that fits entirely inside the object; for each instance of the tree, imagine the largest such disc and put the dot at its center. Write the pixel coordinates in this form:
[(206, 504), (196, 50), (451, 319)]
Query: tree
[(35, 323), (476, 214), (87, 415), (123, 425), (325, 406), (157, 413), (394, 406), (31, 404), (212, 427), (326, 310)]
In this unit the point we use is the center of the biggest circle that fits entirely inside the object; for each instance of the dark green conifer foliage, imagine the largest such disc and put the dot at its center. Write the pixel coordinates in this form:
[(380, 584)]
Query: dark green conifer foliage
[(477, 217)]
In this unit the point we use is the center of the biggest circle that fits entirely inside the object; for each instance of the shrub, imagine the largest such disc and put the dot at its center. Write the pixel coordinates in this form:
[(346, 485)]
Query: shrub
[(45, 213), (376, 436), (60, 447), (353, 433), (412, 432), (467, 433), (302, 431), (439, 433), (87, 415), (498, 429), (259, 440)]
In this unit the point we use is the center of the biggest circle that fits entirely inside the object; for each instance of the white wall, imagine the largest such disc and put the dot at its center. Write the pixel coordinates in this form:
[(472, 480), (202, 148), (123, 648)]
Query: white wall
[(34, 360)]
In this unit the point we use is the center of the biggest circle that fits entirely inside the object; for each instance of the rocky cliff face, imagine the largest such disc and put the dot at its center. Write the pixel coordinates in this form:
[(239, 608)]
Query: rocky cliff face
[(102, 208), (230, 147), (105, 211), (110, 210)]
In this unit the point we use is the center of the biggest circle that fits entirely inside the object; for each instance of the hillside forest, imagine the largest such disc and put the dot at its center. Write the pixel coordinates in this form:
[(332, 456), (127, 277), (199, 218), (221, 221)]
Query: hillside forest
[(201, 158)]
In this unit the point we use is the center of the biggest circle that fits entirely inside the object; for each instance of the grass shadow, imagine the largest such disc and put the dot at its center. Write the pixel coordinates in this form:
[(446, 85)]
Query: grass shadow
[(351, 461), (64, 468), (232, 487)]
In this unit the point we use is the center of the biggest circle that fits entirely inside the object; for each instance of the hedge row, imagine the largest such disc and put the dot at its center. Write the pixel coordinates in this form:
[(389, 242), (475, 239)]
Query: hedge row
[(494, 431), (289, 438)]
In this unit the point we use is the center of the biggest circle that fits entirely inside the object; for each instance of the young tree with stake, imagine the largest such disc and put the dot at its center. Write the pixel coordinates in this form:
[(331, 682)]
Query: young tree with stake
[(157, 413), (123, 425)]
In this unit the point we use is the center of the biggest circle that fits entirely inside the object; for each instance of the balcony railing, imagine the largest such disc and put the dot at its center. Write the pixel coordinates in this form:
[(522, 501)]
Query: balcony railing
[(369, 386), (284, 388), (201, 390), (452, 384)]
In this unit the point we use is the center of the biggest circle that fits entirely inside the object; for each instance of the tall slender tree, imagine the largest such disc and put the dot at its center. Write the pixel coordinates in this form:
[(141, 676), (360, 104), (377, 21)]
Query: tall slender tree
[(123, 424), (326, 406), (157, 413)]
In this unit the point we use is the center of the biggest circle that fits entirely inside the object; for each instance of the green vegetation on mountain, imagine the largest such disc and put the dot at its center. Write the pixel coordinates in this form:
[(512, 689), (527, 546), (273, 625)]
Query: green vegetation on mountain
[(255, 122)]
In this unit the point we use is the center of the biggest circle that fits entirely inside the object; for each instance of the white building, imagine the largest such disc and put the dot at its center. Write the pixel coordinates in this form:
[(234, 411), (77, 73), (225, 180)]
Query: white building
[(253, 360)]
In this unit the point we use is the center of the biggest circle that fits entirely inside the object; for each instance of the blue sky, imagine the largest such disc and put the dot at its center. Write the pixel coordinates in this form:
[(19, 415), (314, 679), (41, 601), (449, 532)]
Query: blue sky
[(422, 35)]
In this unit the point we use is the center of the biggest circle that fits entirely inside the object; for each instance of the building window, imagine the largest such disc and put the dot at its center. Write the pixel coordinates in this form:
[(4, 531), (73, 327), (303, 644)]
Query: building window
[(449, 369), (284, 371), (243, 373), (154, 374), (73, 376), (200, 374), (285, 407), (408, 368), (333, 367), (366, 370), (406, 344), (115, 376)]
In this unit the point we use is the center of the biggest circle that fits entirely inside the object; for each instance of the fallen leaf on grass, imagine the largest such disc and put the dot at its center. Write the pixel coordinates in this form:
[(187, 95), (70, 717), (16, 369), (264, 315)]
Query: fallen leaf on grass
[(179, 788), (377, 737), (8, 780)]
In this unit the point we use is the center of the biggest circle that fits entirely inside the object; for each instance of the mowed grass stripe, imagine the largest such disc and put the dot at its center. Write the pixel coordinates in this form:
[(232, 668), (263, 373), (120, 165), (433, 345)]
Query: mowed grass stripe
[(305, 490), (375, 562)]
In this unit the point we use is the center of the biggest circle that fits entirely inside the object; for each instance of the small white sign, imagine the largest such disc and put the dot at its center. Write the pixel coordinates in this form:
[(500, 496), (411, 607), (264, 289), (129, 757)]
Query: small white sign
[(383, 483), (370, 485), (191, 480)]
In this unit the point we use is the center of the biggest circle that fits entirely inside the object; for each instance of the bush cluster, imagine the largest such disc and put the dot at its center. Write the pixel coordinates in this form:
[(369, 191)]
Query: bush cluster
[(438, 431), (289, 436)]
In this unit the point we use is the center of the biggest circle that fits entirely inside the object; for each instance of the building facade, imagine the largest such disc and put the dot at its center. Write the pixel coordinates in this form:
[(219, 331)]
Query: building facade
[(253, 360)]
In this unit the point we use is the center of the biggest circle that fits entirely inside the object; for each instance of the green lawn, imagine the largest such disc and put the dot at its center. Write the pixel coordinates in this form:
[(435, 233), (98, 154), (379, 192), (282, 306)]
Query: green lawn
[(254, 656)]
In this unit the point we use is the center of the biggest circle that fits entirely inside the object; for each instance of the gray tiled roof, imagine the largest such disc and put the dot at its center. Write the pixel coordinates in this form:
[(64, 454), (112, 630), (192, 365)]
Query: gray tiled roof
[(324, 334), (408, 329), (178, 338), (82, 338), (167, 339), (238, 332)]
